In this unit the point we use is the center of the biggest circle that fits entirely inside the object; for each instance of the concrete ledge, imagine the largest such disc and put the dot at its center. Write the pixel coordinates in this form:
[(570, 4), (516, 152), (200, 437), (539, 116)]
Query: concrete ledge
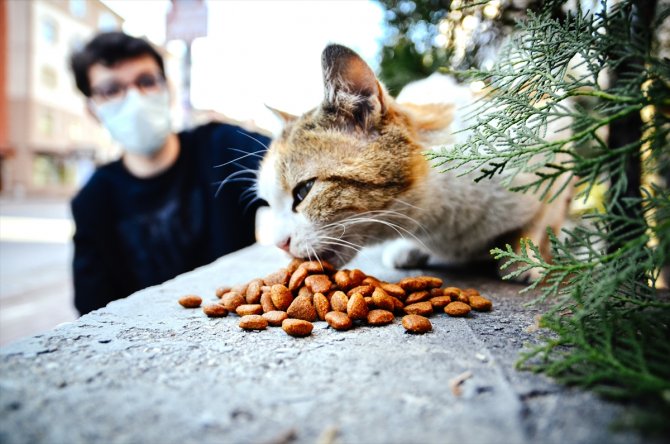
[(144, 369)]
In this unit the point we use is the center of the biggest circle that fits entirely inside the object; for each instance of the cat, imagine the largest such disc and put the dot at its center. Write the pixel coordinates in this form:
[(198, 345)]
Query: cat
[(352, 172)]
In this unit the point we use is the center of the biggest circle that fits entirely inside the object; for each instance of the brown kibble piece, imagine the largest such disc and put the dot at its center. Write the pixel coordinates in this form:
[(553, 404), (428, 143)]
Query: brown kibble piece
[(464, 298), (420, 308), (380, 317), (253, 295), (398, 306), (318, 283), (356, 307), (417, 296), (364, 290), (293, 265), (435, 292), (240, 288), (253, 322), (305, 291), (338, 320), (321, 305), (471, 292), (249, 309), (302, 308), (275, 318), (266, 302), (357, 277), (457, 309), (342, 280), (281, 297), (480, 303), (394, 290), (457, 294), (297, 327), (452, 291), (215, 310), (232, 300), (221, 291), (416, 324), (313, 267), (372, 281), (382, 300), (190, 301), (440, 301), (369, 302), (297, 279), (280, 276), (339, 301), (419, 283)]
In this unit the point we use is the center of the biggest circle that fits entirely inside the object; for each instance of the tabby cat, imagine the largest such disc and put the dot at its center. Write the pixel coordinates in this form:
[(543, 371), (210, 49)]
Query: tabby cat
[(352, 172)]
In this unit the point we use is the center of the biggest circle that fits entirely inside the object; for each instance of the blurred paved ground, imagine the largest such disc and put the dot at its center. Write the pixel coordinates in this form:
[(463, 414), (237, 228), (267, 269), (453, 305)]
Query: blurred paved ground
[(35, 276)]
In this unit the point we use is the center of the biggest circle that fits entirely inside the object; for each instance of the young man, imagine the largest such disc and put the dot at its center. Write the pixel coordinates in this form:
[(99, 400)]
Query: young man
[(154, 213)]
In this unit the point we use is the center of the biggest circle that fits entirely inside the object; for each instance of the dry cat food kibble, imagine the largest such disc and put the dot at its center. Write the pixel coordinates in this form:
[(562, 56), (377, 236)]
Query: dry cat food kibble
[(310, 291), (215, 310), (416, 324), (190, 301), (297, 327)]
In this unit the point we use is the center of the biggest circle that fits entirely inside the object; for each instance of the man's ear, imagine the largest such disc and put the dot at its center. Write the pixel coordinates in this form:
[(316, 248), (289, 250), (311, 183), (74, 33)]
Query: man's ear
[(285, 117), (351, 89)]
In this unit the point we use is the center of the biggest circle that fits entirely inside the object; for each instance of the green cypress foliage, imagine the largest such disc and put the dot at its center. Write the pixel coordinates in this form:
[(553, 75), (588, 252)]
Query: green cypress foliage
[(608, 326)]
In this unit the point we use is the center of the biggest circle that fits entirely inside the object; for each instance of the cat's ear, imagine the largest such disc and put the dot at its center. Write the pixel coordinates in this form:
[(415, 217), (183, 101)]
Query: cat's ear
[(285, 117), (352, 90)]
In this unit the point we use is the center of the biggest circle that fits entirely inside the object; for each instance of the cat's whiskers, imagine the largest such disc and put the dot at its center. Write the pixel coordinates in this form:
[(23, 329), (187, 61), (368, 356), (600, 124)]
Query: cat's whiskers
[(239, 172), (245, 155), (231, 178), (255, 153), (254, 139), (408, 204), (341, 241), (397, 228), (336, 252), (317, 256), (390, 220), (357, 250)]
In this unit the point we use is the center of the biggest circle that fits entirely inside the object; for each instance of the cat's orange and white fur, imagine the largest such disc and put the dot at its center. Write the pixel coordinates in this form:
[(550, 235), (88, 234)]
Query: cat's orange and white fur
[(352, 172)]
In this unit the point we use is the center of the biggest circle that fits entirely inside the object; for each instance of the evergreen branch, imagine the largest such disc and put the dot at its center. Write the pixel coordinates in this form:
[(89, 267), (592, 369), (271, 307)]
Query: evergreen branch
[(608, 327)]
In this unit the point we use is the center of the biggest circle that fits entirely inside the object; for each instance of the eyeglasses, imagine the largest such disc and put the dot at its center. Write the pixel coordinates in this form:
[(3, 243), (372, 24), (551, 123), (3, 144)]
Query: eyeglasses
[(145, 84)]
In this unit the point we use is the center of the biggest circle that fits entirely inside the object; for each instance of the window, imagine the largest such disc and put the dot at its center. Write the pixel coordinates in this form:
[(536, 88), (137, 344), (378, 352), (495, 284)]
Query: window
[(77, 43), (49, 77), (78, 8), (49, 30), (45, 123), (107, 22)]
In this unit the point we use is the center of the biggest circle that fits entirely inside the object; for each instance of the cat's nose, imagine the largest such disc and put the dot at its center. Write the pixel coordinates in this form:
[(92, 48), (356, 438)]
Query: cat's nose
[(285, 244)]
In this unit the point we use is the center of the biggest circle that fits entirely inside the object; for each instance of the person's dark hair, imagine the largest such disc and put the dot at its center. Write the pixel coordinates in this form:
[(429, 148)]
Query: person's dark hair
[(108, 49)]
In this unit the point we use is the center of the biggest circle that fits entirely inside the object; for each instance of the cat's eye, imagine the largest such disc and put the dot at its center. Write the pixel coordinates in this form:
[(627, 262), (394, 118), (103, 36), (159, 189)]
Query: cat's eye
[(300, 192)]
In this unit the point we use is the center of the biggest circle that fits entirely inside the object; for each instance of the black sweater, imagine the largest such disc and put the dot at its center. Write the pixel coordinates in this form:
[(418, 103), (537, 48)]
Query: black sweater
[(132, 233)]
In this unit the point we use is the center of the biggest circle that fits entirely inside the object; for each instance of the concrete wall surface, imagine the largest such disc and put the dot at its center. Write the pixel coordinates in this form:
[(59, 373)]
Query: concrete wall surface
[(146, 370)]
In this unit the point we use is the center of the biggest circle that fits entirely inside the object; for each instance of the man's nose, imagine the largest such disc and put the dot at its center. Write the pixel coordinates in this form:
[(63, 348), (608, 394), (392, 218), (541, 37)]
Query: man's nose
[(285, 244)]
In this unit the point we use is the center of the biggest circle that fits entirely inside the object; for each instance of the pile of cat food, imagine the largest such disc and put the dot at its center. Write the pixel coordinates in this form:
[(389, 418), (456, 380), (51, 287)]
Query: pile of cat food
[(307, 291)]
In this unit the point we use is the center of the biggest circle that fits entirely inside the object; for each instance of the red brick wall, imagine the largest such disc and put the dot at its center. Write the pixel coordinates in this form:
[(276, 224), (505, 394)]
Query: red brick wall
[(4, 128)]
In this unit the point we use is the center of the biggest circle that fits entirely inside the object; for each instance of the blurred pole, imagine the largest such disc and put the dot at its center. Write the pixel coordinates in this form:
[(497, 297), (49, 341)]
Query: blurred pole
[(186, 21)]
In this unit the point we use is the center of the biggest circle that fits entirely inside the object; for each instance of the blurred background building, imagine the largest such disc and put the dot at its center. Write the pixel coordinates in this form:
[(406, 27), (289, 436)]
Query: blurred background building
[(224, 60), (49, 144)]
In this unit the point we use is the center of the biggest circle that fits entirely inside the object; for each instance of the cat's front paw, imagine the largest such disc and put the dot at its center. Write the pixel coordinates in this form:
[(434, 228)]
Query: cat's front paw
[(404, 254)]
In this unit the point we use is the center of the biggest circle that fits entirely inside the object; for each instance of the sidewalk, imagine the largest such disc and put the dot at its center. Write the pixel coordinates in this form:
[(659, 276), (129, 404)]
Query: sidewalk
[(144, 369), (35, 257)]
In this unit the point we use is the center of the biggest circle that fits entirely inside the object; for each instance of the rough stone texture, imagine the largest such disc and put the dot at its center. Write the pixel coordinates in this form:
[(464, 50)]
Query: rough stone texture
[(144, 369)]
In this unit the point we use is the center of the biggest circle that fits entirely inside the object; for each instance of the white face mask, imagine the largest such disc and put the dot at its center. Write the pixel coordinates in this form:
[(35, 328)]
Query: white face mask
[(140, 122)]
